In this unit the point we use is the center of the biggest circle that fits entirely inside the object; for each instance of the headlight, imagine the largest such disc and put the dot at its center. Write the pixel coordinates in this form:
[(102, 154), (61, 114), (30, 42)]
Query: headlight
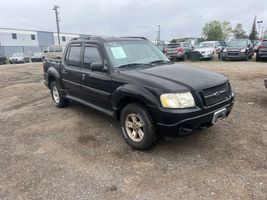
[(243, 50), (225, 50), (179, 100)]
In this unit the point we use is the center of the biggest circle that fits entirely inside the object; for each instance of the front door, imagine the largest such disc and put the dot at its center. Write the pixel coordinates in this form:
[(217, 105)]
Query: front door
[(95, 85)]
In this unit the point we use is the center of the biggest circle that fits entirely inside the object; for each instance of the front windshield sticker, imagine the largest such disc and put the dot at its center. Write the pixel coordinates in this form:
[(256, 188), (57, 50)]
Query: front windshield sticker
[(118, 52)]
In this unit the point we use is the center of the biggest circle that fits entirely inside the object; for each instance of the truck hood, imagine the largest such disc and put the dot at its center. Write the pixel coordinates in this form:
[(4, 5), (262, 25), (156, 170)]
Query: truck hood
[(176, 77), (204, 49)]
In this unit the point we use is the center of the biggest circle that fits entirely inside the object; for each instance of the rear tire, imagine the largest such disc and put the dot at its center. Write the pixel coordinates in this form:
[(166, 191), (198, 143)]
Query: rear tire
[(57, 97), (137, 126)]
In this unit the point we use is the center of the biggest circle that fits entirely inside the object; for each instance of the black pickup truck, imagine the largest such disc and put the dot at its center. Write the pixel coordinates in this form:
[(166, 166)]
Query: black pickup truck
[(131, 79)]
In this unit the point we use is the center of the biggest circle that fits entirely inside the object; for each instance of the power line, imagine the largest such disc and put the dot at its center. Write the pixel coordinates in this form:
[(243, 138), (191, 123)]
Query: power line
[(57, 21)]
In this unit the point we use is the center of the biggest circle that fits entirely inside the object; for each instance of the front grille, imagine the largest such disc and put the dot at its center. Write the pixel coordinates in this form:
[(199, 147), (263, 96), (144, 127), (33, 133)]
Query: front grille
[(216, 94)]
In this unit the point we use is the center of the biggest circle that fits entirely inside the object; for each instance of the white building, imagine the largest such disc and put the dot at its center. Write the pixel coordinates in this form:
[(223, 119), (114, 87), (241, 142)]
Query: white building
[(30, 41)]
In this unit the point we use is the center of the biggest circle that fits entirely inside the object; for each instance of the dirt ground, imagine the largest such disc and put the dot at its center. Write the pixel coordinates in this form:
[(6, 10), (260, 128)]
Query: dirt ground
[(78, 153)]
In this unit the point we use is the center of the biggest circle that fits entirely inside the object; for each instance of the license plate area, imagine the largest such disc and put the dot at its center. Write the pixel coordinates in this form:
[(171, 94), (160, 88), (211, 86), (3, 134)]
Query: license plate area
[(219, 116)]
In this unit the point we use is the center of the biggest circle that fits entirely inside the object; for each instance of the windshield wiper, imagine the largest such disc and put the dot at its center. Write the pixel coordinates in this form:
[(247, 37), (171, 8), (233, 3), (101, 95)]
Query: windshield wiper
[(132, 64), (160, 62)]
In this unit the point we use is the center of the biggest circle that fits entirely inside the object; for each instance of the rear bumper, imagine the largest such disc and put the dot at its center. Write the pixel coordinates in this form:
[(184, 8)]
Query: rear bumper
[(45, 81), (176, 55), (180, 122)]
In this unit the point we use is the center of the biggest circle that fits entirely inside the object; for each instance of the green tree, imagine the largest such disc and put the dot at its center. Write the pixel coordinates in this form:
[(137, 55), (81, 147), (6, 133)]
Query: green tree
[(227, 29), (239, 33), (213, 30), (173, 41), (253, 33)]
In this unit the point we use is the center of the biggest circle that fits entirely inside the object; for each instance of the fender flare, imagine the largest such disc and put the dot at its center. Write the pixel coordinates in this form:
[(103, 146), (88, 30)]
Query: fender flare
[(140, 93), (52, 72)]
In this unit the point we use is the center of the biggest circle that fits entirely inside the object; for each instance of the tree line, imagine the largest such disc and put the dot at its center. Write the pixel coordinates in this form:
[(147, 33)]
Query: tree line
[(223, 30)]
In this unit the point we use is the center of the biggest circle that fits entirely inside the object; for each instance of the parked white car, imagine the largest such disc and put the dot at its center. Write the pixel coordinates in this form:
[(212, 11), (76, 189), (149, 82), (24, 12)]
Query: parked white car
[(208, 49)]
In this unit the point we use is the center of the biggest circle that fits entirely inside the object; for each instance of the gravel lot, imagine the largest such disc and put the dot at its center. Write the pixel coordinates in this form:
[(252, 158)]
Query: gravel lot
[(78, 153)]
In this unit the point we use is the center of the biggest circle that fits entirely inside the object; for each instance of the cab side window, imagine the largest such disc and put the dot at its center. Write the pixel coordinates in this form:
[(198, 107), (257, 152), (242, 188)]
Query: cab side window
[(91, 54), (73, 57)]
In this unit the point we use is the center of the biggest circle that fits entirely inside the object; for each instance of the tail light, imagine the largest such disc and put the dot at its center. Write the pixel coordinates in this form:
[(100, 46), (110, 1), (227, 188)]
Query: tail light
[(180, 49), (261, 46)]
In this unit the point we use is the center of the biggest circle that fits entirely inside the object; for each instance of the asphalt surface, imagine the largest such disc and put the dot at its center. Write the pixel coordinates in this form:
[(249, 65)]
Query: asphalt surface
[(78, 153)]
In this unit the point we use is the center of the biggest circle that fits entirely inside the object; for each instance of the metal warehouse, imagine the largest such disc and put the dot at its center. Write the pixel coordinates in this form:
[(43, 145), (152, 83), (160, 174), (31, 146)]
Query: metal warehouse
[(29, 41)]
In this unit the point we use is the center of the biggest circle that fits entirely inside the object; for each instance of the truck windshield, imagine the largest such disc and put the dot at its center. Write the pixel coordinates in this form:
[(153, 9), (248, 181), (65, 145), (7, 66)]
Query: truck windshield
[(238, 43), (130, 52)]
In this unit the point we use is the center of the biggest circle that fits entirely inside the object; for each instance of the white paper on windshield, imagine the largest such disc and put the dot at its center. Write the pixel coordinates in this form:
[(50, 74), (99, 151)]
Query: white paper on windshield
[(118, 52)]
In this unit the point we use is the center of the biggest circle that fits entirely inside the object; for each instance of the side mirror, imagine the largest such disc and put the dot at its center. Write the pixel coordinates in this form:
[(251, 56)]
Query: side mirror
[(98, 66)]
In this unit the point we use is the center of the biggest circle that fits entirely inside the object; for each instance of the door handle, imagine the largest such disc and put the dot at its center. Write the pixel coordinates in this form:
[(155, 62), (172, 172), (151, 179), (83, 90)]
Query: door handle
[(64, 71), (83, 76)]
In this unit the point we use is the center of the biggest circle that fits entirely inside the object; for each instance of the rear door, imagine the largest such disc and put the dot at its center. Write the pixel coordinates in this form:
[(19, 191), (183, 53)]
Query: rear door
[(71, 70), (95, 85)]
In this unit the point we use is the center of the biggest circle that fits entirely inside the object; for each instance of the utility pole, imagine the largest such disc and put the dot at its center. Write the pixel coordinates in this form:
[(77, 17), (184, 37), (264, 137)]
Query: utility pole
[(259, 22), (158, 38), (57, 21)]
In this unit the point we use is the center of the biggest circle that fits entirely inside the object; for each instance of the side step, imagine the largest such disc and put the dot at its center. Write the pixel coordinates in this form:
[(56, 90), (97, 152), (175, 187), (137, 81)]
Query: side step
[(105, 111)]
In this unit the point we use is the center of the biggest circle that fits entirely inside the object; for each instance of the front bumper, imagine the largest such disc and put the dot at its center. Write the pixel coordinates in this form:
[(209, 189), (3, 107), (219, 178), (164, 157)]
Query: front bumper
[(37, 59), (234, 55), (179, 122), (262, 55), (16, 61)]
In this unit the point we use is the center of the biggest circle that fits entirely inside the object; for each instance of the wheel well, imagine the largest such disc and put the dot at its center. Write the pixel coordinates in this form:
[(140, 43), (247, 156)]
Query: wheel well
[(127, 100), (50, 79)]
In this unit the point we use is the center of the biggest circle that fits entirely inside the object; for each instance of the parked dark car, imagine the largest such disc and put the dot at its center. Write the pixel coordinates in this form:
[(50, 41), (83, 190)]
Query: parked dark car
[(132, 80), (238, 50), (3, 59), (19, 58), (261, 52), (179, 51), (37, 57)]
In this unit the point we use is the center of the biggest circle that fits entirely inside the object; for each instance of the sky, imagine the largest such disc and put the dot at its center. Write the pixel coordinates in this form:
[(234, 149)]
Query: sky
[(130, 17)]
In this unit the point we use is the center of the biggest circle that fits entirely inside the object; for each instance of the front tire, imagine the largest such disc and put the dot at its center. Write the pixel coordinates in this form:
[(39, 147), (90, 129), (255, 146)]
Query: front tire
[(137, 126), (59, 101)]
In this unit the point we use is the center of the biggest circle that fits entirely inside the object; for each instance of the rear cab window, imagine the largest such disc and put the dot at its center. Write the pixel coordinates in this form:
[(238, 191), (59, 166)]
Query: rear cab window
[(73, 56)]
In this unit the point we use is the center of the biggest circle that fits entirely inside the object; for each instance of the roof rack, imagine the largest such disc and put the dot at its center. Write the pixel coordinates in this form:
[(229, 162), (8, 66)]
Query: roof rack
[(88, 37), (103, 37)]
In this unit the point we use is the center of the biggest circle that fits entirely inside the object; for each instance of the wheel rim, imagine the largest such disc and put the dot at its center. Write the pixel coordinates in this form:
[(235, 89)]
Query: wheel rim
[(55, 94), (134, 126)]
